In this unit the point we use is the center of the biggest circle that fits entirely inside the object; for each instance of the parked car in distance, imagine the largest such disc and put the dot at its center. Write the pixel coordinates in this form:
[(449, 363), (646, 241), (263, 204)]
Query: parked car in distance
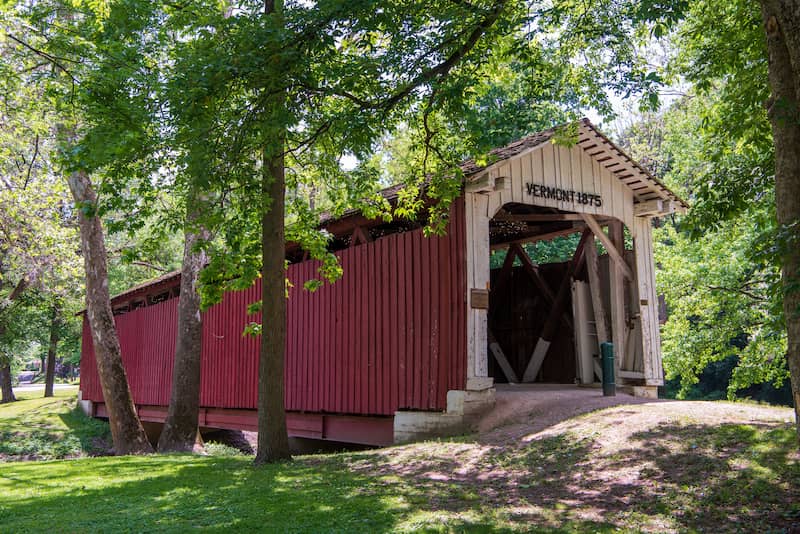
[(26, 377)]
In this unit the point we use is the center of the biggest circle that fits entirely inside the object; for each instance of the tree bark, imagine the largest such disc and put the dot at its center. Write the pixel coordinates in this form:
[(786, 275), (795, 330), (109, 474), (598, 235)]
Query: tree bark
[(50, 367), (181, 427), (5, 384), (273, 440), (6, 387), (782, 24), (126, 429)]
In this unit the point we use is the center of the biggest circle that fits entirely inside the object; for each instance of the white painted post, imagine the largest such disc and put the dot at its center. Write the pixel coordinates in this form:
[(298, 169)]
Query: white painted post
[(648, 301), (477, 234)]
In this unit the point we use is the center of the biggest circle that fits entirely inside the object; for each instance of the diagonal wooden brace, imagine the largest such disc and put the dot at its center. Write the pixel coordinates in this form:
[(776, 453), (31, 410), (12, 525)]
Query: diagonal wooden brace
[(613, 252), (543, 344)]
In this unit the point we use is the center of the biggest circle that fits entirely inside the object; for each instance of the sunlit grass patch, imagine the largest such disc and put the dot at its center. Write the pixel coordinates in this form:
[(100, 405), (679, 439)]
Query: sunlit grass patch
[(667, 475), (35, 427)]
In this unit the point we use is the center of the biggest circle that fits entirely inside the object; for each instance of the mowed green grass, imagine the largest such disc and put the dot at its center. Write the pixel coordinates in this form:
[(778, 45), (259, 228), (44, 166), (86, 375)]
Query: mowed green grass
[(47, 428), (179, 493), (679, 476)]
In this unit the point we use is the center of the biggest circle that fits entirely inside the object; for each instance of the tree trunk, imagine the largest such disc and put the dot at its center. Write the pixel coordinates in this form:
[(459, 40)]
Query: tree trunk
[(5, 383), (6, 388), (127, 432), (273, 438), (273, 441), (782, 24), (50, 368), (181, 427)]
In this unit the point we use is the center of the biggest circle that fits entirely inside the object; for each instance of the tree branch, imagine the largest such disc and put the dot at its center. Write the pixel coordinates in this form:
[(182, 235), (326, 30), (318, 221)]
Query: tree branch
[(443, 68), (303, 145), (149, 266), (739, 290), (429, 75), (33, 160), (52, 59), (17, 291), (8, 184)]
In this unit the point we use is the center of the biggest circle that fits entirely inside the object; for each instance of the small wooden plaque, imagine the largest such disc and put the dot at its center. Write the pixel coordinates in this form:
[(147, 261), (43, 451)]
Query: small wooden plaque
[(479, 299)]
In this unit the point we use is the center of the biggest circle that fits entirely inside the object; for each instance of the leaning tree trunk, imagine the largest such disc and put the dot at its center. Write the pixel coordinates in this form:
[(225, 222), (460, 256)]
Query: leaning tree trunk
[(127, 432), (181, 427), (782, 24), (50, 367)]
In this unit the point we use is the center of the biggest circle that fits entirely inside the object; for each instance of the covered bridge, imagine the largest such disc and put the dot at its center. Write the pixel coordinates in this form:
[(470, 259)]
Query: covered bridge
[(413, 337)]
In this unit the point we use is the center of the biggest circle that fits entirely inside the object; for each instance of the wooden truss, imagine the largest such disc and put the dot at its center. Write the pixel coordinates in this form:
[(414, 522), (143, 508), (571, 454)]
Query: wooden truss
[(585, 253)]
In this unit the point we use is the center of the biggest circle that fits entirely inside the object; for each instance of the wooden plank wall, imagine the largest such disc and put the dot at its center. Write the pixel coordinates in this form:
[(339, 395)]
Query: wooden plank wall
[(147, 338), (389, 335), (586, 345)]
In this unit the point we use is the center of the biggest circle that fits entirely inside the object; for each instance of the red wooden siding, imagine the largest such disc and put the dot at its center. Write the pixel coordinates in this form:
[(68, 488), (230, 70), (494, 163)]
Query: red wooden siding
[(147, 338), (389, 335)]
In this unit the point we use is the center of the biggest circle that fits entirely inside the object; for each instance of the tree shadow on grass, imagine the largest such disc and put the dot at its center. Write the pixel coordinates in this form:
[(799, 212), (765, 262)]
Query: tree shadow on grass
[(181, 493), (94, 435), (672, 477), (312, 494), (728, 477), (53, 428), (27, 438), (464, 485)]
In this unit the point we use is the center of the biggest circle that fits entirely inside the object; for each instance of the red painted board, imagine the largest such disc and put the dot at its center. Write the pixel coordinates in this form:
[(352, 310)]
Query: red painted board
[(391, 334)]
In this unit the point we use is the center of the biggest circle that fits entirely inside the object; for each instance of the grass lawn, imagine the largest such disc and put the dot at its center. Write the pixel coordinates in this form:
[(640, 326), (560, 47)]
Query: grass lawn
[(652, 467), (47, 428)]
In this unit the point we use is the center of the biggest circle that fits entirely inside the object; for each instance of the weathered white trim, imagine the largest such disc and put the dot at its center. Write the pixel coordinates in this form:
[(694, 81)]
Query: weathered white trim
[(616, 284), (499, 164), (648, 302), (573, 170), (482, 184), (647, 392), (85, 405), (477, 243), (502, 361), (585, 339), (612, 250), (539, 352), (479, 383)]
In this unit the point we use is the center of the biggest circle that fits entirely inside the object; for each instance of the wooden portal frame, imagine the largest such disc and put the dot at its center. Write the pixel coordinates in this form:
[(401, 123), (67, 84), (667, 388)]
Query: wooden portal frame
[(626, 202), (619, 276)]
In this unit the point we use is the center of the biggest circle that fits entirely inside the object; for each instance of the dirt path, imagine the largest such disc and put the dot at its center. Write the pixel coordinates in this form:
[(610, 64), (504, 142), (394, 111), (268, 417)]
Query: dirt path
[(529, 408), (525, 411), (556, 456)]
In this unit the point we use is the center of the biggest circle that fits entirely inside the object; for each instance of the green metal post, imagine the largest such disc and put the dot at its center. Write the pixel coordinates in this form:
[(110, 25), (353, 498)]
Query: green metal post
[(607, 355)]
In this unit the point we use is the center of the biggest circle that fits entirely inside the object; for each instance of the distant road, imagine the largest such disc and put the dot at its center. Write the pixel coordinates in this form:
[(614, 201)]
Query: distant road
[(37, 387)]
